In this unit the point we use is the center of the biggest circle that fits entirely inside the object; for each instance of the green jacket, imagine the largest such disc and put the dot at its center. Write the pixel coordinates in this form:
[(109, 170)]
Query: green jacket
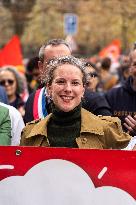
[(5, 126), (96, 132)]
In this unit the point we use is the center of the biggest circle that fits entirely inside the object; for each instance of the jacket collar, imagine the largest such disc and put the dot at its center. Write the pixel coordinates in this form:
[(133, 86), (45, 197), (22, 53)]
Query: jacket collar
[(40, 128), (88, 124)]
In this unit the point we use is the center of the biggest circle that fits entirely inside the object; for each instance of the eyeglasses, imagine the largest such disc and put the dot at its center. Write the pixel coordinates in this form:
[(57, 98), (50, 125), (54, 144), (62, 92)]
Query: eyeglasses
[(9, 81), (94, 74)]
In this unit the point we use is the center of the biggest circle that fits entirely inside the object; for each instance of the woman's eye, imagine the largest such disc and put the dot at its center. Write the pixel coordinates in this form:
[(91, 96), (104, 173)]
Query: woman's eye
[(60, 82), (75, 83)]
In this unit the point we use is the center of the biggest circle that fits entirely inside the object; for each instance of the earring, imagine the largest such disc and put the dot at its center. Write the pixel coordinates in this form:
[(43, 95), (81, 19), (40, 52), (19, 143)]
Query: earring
[(49, 97)]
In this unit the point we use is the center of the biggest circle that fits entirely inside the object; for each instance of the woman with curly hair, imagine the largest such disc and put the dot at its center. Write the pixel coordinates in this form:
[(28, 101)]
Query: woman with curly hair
[(69, 125)]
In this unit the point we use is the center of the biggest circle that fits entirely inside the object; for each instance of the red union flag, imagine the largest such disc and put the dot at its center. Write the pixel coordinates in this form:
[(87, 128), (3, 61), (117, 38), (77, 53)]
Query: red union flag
[(33, 175), (11, 54), (112, 50)]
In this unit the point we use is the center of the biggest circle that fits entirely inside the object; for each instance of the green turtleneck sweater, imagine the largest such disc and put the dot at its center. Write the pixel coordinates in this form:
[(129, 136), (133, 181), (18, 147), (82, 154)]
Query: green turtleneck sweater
[(64, 127)]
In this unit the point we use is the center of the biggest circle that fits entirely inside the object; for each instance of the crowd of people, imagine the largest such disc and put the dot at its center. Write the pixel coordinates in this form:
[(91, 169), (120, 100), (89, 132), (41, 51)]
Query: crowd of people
[(72, 102)]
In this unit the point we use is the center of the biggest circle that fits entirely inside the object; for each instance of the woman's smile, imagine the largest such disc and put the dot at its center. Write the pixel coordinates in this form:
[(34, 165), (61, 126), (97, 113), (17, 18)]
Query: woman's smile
[(67, 87), (66, 98)]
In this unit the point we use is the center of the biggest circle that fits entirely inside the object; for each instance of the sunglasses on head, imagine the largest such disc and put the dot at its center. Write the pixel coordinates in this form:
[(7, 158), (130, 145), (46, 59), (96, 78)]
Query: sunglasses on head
[(9, 81), (94, 74)]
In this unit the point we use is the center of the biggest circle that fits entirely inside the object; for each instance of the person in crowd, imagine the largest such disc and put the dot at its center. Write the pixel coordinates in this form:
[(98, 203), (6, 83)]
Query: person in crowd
[(3, 95), (93, 101), (93, 77), (108, 80), (17, 124), (69, 125), (123, 71), (130, 120), (5, 126), (38, 104), (33, 74), (13, 84), (123, 99)]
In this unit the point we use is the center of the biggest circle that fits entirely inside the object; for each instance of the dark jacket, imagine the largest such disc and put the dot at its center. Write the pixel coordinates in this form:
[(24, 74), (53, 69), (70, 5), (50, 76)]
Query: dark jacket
[(29, 108), (122, 100), (96, 103), (93, 102), (18, 102)]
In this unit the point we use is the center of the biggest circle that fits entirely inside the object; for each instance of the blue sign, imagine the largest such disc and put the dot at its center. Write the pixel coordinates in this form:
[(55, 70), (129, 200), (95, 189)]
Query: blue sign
[(70, 24)]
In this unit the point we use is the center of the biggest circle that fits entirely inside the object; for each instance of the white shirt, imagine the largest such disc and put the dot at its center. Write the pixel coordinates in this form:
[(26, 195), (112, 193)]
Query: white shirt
[(17, 124)]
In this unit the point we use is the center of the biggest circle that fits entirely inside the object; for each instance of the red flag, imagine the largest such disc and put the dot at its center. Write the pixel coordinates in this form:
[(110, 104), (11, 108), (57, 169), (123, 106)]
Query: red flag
[(1, 58), (11, 54), (112, 50)]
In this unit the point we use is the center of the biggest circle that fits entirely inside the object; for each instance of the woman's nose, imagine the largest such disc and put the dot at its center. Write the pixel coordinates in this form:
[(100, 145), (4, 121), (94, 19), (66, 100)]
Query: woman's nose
[(68, 87)]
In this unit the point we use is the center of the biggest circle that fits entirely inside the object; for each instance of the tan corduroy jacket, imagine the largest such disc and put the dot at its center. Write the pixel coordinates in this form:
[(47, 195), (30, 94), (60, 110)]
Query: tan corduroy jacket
[(96, 132)]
